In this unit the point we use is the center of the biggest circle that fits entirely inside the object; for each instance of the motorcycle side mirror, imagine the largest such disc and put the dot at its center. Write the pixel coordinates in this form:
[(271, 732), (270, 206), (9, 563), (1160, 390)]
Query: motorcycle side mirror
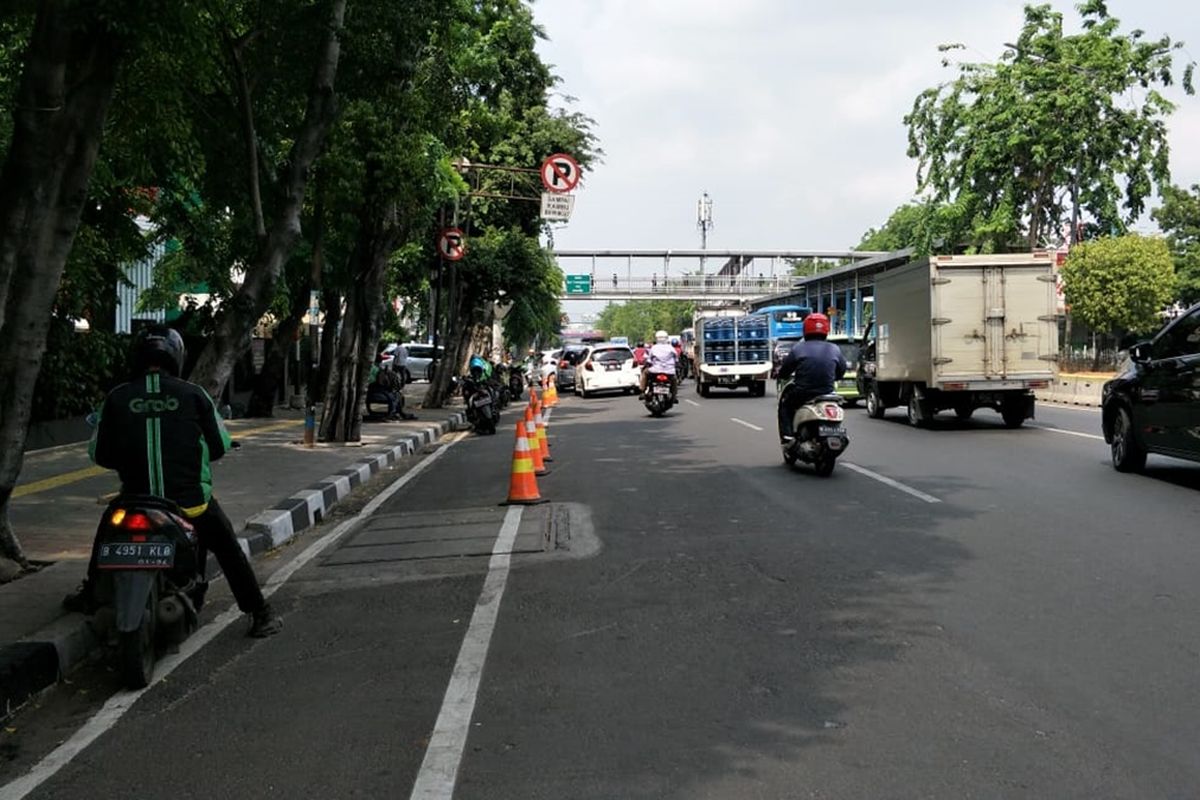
[(93, 419)]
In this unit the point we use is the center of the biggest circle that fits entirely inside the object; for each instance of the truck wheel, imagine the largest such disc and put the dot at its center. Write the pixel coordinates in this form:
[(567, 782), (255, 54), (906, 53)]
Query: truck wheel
[(702, 388), (964, 412), (875, 409), (758, 389), (1013, 414), (1128, 454), (918, 411)]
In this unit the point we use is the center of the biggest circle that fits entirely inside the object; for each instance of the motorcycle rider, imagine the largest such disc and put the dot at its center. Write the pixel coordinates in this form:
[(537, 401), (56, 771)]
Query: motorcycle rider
[(661, 359), (816, 366), (159, 433)]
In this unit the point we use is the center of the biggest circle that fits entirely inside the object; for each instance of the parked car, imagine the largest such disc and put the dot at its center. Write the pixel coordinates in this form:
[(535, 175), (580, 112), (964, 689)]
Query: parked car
[(421, 360), (568, 360), (1153, 406), (607, 367)]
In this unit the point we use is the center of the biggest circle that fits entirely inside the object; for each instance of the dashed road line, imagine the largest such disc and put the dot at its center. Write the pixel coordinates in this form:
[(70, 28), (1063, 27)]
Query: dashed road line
[(749, 425), (895, 484), (691, 402)]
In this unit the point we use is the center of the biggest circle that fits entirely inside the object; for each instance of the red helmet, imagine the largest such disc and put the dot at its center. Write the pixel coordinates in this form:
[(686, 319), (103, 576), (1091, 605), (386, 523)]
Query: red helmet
[(816, 323)]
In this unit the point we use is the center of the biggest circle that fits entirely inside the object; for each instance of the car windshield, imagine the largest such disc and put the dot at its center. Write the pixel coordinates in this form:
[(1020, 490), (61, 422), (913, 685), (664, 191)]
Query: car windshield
[(612, 355)]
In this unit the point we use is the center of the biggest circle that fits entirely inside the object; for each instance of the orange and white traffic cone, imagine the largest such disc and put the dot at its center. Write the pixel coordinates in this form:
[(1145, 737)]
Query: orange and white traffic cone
[(543, 442), (535, 449), (551, 398), (522, 485)]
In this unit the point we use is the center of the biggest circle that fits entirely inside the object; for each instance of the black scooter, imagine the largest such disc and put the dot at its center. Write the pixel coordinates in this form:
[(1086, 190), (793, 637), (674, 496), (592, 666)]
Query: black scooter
[(150, 573)]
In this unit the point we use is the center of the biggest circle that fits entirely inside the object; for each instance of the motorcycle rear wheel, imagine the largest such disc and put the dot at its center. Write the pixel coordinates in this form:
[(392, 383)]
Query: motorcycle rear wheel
[(136, 648), (825, 464)]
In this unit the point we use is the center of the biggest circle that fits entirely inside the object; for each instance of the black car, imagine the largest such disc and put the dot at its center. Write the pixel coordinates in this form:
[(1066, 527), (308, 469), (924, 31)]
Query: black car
[(570, 357), (1154, 405)]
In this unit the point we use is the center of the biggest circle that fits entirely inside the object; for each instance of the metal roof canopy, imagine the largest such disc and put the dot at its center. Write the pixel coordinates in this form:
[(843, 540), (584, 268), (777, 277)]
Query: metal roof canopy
[(851, 276), (727, 254)]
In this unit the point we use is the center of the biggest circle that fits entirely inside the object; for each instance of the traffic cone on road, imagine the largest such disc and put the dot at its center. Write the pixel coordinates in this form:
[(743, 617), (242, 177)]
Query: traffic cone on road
[(522, 485), (543, 442), (551, 395), (535, 449)]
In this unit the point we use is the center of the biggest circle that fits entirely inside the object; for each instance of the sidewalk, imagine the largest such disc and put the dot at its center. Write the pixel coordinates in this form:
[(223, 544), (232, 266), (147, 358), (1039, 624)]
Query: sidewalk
[(272, 488)]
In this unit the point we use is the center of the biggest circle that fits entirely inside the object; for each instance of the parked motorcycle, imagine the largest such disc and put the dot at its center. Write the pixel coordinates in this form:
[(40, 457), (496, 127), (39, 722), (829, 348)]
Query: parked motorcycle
[(483, 410), (516, 382), (150, 573), (820, 434), (657, 397)]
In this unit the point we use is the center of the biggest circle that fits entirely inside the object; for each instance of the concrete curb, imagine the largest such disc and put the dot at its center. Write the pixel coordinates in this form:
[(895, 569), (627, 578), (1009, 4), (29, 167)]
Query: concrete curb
[(36, 662)]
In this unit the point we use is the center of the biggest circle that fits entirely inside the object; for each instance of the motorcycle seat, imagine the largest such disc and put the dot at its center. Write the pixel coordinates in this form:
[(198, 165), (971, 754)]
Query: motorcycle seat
[(828, 398)]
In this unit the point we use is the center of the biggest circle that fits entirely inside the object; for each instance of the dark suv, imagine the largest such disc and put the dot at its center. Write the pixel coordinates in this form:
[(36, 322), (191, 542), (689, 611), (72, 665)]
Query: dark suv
[(1154, 405)]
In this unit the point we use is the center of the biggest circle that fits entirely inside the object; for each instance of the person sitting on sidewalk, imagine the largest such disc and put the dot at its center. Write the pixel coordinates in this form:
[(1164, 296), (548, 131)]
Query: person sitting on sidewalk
[(160, 433), (391, 382)]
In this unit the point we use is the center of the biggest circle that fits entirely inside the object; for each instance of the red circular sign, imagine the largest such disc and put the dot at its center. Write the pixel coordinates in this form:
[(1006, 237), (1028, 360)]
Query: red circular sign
[(452, 244), (560, 173)]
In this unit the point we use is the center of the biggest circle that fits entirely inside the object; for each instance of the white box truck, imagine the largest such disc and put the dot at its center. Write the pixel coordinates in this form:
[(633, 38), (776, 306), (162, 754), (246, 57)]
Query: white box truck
[(961, 333), (732, 350)]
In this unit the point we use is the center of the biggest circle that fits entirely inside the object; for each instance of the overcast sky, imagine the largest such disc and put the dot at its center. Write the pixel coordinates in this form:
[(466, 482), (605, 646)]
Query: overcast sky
[(788, 112)]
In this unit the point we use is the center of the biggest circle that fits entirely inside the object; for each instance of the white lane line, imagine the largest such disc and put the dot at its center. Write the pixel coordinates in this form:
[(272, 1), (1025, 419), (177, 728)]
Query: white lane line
[(1066, 432), (747, 424), (112, 711), (691, 402), (1066, 407), (917, 493), (439, 769)]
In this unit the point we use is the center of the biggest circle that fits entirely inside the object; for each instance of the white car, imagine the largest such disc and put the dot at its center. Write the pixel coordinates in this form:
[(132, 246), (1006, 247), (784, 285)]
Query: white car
[(607, 367)]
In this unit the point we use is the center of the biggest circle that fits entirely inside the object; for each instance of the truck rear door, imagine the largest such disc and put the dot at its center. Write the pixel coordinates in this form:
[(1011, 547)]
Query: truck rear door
[(1023, 329), (958, 312)]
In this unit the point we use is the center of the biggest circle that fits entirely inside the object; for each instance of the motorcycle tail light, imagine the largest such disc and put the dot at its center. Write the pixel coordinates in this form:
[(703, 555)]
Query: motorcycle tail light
[(662, 378), (831, 411), (137, 521)]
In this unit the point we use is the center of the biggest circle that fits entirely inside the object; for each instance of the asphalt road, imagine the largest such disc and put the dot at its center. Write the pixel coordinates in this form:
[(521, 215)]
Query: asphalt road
[(1003, 616)]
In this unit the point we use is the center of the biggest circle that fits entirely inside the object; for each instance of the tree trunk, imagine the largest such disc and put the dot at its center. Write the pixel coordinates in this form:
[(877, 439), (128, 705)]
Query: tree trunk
[(58, 114), (262, 399), (346, 389), (457, 346), (331, 301), (241, 312)]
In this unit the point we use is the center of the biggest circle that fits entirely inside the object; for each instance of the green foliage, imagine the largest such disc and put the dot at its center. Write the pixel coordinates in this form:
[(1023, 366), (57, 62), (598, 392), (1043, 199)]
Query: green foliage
[(77, 370), (1120, 283), (1179, 218), (1060, 124), (814, 266), (640, 319), (925, 227)]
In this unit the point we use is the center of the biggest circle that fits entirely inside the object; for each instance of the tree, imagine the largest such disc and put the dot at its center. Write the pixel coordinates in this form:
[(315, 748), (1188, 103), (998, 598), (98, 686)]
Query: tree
[(640, 319), (1179, 218), (925, 227), (1119, 283), (813, 266), (277, 229), (68, 71), (1060, 127)]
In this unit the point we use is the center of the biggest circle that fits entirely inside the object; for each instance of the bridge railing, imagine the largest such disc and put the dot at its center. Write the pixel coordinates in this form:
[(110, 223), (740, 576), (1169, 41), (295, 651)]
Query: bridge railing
[(698, 285)]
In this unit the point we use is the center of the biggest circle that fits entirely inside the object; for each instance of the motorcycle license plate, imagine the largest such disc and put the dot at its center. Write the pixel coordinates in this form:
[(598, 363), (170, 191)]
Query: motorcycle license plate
[(662, 390), (136, 555), (832, 430), (482, 401)]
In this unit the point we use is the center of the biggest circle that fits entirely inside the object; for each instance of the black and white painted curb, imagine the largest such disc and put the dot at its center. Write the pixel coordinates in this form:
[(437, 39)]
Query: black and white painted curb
[(27, 667), (279, 524)]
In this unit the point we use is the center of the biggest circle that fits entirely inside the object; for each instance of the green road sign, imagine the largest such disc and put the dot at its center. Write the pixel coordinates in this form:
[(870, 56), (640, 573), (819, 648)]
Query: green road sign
[(579, 284)]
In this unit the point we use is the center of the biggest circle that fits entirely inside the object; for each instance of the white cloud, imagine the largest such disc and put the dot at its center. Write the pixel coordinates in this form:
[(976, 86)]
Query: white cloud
[(787, 111)]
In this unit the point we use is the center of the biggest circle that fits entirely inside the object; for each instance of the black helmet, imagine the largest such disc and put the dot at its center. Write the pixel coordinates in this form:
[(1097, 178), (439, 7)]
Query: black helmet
[(159, 346)]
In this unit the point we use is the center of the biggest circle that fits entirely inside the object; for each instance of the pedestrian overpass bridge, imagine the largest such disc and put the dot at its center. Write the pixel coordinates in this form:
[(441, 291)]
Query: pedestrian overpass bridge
[(734, 276), (751, 279)]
